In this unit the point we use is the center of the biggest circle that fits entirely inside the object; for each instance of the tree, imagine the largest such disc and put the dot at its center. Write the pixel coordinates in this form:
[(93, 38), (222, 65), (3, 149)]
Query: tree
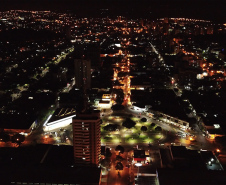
[(143, 128), (143, 119), (119, 166), (4, 137), (110, 127), (128, 123), (18, 138), (120, 149), (119, 100), (152, 124), (117, 107), (119, 158), (105, 162), (158, 128), (38, 77), (108, 153)]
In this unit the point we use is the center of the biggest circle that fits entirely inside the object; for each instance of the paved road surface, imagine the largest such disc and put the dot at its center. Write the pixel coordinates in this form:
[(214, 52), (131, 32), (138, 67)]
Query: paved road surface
[(121, 178)]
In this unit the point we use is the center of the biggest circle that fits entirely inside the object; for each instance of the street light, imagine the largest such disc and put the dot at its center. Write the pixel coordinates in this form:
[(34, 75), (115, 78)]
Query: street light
[(138, 165)]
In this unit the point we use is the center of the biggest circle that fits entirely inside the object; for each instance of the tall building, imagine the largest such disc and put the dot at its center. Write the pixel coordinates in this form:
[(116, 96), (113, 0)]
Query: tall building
[(93, 53), (78, 50), (210, 30), (166, 28), (68, 31), (166, 20), (82, 73), (86, 138)]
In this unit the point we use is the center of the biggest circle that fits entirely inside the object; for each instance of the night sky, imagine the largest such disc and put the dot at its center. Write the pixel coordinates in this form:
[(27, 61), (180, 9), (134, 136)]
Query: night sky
[(203, 9)]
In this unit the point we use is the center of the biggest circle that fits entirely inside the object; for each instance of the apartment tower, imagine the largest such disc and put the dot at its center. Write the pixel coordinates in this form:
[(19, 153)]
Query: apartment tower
[(82, 73), (86, 138)]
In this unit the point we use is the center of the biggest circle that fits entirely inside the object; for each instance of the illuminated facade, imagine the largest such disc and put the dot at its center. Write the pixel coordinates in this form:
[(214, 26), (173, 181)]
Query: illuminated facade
[(86, 138), (60, 118)]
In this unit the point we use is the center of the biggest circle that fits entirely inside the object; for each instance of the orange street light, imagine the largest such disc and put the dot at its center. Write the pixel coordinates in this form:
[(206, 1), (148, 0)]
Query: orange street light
[(218, 150)]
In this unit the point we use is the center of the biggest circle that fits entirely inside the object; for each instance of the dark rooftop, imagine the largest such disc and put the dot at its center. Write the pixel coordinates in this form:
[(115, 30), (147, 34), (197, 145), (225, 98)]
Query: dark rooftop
[(16, 121), (191, 177), (179, 152), (89, 114), (139, 153), (64, 175), (39, 154)]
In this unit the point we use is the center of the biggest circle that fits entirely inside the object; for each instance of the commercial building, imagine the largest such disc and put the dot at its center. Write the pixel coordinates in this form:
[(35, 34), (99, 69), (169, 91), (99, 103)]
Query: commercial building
[(86, 138), (139, 156), (105, 102), (60, 118)]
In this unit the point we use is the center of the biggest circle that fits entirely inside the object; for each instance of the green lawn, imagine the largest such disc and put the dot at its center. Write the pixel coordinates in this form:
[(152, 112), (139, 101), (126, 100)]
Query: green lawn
[(142, 138)]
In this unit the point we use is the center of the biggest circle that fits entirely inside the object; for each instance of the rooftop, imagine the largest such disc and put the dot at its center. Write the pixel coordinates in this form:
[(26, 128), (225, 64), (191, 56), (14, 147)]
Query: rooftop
[(61, 113), (188, 177), (139, 153), (64, 175), (179, 151), (16, 121), (38, 154)]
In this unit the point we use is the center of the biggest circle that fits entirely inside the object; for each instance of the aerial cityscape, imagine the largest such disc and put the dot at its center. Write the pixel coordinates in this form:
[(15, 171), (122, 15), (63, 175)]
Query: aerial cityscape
[(111, 100)]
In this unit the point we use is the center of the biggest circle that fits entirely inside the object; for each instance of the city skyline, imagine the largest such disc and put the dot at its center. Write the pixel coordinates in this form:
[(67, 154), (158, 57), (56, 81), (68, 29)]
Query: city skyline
[(202, 9), (104, 100)]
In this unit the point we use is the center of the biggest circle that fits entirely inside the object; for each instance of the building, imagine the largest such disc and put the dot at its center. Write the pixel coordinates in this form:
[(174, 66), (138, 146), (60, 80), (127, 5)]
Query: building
[(86, 138), (210, 30), (93, 54), (55, 175), (82, 73), (60, 118), (181, 123), (186, 176), (68, 31), (105, 102), (139, 156), (78, 50), (14, 124), (39, 164)]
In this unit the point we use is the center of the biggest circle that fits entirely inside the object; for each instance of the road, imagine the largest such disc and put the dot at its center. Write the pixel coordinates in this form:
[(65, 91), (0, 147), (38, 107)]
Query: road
[(118, 177)]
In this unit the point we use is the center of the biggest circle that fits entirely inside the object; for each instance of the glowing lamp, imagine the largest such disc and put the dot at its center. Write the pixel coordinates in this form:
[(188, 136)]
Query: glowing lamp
[(138, 164)]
